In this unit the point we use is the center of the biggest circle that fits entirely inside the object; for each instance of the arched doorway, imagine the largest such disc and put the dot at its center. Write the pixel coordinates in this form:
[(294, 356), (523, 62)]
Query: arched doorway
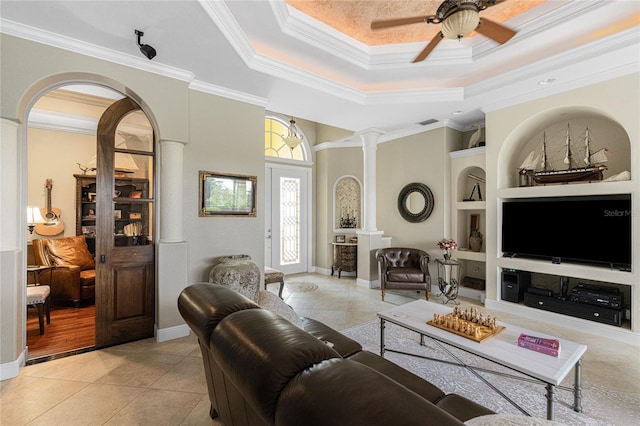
[(61, 146)]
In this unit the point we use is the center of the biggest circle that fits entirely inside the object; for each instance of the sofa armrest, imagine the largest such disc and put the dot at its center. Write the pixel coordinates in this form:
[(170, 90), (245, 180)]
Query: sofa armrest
[(204, 305), (67, 267)]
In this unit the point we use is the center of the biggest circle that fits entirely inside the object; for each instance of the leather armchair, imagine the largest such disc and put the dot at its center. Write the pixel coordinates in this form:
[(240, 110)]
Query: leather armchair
[(74, 277), (404, 269)]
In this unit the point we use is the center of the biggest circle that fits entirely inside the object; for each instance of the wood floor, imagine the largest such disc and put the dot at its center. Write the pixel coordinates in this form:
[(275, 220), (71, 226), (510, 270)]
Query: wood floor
[(71, 330)]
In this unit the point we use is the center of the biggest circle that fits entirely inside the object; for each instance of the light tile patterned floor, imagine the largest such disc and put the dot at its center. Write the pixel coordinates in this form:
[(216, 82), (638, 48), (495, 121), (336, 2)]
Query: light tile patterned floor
[(149, 383)]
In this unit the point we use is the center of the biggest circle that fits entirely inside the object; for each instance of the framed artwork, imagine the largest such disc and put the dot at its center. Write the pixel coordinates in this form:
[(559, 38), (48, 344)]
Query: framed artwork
[(340, 238), (225, 194)]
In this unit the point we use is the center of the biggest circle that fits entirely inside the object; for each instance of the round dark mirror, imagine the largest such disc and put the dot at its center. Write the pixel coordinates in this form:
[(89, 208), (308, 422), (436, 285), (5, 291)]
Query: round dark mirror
[(415, 202)]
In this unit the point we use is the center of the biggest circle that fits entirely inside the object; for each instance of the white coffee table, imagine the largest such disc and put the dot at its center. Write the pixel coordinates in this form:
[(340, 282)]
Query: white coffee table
[(501, 349)]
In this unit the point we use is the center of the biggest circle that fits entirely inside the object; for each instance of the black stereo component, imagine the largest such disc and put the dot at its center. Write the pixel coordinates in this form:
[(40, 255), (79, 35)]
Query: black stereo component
[(578, 310), (597, 296), (540, 291), (514, 285)]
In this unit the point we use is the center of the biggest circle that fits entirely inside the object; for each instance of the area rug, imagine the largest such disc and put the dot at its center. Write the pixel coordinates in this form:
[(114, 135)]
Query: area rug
[(300, 286), (600, 406)]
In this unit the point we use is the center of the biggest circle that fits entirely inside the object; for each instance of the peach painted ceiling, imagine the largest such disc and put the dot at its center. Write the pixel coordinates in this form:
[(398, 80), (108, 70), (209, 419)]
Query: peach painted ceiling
[(354, 17)]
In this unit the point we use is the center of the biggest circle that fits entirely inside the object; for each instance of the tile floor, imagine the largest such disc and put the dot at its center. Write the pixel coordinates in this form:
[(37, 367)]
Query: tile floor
[(146, 382)]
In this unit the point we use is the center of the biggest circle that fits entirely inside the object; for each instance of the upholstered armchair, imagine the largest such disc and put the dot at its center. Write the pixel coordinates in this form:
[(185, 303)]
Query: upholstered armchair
[(74, 277), (404, 269)]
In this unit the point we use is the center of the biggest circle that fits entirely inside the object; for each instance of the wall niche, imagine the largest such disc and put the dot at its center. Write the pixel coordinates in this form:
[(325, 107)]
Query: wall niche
[(606, 137), (347, 203)]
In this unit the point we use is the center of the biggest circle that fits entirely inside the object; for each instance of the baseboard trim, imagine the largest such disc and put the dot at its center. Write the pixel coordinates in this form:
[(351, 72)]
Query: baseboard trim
[(170, 333), (9, 370)]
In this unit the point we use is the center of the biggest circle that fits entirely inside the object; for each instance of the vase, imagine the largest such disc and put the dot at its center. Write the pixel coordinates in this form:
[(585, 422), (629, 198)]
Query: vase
[(475, 241), (447, 255), (238, 273)]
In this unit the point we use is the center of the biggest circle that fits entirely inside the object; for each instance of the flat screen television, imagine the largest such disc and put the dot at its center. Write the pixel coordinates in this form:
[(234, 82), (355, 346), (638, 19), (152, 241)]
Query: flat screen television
[(582, 229)]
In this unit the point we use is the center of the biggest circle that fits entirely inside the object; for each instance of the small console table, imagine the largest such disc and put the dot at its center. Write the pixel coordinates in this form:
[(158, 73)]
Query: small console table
[(345, 258)]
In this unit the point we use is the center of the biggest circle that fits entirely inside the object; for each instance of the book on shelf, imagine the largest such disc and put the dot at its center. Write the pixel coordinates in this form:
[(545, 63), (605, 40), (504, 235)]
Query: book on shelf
[(539, 344)]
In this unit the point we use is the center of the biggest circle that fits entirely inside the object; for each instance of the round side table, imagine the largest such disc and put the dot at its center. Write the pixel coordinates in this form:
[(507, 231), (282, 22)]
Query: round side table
[(449, 279)]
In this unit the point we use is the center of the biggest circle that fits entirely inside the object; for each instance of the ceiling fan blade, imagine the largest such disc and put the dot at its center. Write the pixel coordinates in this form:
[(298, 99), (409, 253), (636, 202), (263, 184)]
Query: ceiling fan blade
[(495, 31), (432, 45), (376, 25)]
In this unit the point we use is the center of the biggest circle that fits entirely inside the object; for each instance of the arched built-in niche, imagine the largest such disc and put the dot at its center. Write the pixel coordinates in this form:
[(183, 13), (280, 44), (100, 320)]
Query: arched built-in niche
[(347, 202), (604, 132)]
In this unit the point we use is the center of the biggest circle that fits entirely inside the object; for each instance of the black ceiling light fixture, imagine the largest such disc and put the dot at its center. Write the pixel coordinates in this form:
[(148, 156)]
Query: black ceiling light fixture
[(146, 50)]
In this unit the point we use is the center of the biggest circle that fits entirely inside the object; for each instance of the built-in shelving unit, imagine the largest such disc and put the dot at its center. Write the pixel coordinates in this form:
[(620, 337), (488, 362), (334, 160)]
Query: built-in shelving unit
[(131, 210), (469, 206), (626, 281)]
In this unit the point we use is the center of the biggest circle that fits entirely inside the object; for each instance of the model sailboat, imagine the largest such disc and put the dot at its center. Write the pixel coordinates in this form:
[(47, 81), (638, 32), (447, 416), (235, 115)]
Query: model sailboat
[(591, 171)]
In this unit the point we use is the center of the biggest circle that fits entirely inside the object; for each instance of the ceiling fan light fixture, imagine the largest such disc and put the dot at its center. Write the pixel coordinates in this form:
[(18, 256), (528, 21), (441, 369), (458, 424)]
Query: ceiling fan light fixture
[(460, 24)]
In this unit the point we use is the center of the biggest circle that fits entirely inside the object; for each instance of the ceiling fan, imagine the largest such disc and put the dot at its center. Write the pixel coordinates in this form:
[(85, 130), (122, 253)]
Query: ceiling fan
[(459, 18)]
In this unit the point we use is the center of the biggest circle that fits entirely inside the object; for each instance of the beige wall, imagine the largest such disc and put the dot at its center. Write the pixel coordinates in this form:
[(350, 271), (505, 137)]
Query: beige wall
[(331, 164), (54, 155), (420, 158), (219, 134), (226, 136)]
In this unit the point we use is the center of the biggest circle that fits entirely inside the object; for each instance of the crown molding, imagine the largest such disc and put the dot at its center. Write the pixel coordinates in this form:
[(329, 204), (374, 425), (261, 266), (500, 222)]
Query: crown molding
[(61, 122), (625, 44), (88, 49), (224, 92)]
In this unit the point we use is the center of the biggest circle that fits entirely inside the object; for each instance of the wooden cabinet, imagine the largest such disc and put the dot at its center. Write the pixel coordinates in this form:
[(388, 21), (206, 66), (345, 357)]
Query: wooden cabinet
[(131, 210), (345, 258)]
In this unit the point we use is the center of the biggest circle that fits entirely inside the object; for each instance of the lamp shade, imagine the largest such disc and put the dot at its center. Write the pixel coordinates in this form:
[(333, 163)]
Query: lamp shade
[(293, 137), (34, 216), (460, 24)]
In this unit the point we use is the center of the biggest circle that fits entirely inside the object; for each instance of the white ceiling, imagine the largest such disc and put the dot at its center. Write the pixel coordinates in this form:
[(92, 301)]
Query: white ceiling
[(268, 53)]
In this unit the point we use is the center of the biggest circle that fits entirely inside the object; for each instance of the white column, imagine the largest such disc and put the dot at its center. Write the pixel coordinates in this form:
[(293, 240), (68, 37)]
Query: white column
[(171, 191), (369, 146), (172, 249)]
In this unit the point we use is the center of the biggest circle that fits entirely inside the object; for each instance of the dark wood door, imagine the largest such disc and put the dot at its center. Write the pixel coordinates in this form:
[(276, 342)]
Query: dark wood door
[(125, 263)]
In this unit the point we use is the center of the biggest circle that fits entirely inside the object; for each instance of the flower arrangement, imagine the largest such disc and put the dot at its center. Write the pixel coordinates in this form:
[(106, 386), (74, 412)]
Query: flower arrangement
[(447, 244)]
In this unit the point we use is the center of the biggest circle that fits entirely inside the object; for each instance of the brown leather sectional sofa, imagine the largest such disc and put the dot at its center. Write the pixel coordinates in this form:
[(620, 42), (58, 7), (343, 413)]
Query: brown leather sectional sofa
[(263, 370)]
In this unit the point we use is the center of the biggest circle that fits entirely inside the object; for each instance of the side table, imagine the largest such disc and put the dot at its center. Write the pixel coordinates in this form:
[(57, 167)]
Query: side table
[(345, 258), (449, 279)]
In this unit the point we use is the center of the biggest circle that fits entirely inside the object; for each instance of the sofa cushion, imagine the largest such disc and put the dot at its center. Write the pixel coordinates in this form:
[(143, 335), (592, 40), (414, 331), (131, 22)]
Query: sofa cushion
[(405, 275), (406, 378), (88, 277), (260, 352), (334, 339), (70, 251), (462, 408), (345, 392)]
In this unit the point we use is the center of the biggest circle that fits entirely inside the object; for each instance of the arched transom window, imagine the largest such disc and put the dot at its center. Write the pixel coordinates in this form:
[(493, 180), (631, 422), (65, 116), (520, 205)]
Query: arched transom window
[(274, 132)]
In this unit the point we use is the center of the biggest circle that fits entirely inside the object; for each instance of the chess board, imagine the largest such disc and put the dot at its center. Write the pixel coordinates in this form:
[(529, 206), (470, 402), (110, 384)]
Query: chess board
[(484, 331)]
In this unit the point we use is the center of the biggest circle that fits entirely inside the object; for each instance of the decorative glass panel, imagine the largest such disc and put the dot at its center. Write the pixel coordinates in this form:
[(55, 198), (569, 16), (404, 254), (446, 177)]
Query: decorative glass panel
[(289, 220), (274, 146)]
